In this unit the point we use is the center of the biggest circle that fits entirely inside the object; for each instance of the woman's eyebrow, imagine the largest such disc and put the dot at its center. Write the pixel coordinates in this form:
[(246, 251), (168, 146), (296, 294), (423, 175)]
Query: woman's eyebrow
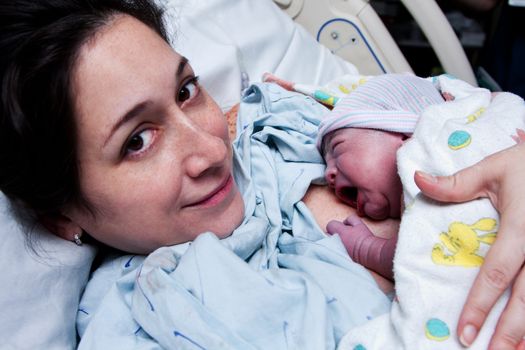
[(129, 115), (182, 64), (140, 107)]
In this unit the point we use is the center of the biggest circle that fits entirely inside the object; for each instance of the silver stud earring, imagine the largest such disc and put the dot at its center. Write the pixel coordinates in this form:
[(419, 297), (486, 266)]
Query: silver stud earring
[(77, 240)]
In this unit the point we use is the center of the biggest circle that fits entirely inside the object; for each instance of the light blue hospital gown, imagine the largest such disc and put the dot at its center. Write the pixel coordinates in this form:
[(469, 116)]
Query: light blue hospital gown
[(278, 282)]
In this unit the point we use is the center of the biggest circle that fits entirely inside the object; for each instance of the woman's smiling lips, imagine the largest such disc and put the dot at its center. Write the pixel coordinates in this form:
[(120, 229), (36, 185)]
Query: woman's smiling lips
[(216, 196)]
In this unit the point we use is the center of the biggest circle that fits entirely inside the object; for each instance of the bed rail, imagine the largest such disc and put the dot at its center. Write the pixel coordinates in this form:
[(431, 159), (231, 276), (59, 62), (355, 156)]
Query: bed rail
[(354, 31)]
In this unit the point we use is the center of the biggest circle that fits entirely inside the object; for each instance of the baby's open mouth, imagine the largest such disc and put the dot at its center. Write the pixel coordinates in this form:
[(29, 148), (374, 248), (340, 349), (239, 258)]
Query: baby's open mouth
[(348, 195)]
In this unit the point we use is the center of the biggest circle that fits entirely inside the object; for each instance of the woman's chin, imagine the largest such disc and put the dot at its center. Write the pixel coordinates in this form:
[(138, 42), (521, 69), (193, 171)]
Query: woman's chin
[(232, 217)]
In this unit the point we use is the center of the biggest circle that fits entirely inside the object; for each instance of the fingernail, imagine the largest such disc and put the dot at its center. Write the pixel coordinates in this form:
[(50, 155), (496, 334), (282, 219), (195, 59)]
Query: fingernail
[(468, 335), (427, 177)]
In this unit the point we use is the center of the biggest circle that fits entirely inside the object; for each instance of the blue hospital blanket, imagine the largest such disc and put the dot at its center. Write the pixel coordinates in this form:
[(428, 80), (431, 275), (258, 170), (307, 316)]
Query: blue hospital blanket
[(278, 282)]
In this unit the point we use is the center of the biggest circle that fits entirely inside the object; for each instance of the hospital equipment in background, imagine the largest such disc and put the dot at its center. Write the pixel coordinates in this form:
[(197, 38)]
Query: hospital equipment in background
[(353, 30)]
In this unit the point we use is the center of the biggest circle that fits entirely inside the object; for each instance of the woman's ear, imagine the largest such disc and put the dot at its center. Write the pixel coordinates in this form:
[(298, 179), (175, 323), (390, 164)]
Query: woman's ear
[(61, 225)]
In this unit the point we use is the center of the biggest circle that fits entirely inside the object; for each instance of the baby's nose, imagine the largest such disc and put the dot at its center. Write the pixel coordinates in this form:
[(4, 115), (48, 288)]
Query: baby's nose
[(330, 175)]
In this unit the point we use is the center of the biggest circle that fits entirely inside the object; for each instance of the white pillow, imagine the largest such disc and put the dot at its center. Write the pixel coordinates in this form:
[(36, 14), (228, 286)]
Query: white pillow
[(229, 43), (41, 285)]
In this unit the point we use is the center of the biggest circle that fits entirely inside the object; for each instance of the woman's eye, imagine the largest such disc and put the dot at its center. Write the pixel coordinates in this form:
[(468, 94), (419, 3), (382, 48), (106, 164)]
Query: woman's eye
[(189, 90), (140, 142)]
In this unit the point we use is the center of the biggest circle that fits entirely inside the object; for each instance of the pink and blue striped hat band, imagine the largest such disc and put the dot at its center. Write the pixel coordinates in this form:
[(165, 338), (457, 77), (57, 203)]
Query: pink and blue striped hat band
[(390, 102)]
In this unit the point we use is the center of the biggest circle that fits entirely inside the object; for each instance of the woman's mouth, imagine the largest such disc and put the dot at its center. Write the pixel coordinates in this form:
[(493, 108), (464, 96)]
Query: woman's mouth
[(216, 196)]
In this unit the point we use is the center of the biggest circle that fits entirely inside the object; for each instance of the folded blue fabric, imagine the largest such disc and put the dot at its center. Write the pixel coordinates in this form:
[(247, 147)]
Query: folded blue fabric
[(278, 282)]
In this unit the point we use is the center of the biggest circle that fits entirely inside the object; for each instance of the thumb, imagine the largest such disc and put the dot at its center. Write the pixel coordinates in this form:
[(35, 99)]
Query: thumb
[(335, 226), (467, 184)]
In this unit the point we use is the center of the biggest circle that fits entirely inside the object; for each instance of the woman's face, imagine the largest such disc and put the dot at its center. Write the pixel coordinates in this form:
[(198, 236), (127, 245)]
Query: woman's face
[(153, 148)]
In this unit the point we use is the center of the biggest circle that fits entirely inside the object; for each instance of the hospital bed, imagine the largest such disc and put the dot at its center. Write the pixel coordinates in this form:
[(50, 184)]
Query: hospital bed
[(230, 43), (354, 31)]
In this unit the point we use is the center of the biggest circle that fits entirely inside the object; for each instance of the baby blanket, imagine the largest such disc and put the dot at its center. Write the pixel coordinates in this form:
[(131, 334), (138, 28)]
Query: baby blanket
[(441, 246), (278, 282)]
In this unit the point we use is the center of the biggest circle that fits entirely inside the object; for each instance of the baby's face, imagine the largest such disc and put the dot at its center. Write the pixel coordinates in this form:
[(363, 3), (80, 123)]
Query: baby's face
[(361, 168)]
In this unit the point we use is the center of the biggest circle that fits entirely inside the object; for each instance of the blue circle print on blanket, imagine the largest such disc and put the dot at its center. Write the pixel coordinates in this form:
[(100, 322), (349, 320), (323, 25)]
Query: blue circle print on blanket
[(459, 139), (435, 329)]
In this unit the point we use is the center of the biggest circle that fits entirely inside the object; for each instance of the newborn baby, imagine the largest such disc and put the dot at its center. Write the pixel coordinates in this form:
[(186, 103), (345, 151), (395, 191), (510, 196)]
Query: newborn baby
[(359, 140), (440, 246)]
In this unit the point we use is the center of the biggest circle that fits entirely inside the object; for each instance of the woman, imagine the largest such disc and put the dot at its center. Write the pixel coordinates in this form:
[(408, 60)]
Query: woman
[(119, 124), (106, 132)]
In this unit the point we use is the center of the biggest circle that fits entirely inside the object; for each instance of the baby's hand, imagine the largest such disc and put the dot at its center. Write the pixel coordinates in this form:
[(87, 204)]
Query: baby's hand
[(363, 247), (352, 231)]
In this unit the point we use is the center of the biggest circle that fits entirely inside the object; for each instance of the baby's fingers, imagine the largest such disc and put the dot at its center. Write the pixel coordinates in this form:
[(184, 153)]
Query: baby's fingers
[(335, 226), (353, 220)]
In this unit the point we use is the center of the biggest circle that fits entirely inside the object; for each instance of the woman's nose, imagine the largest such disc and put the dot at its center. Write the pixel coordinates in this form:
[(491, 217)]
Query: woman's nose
[(206, 152), (330, 174)]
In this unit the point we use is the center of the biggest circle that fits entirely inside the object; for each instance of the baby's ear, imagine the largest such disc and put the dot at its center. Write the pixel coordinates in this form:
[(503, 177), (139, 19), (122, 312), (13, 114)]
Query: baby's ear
[(60, 225)]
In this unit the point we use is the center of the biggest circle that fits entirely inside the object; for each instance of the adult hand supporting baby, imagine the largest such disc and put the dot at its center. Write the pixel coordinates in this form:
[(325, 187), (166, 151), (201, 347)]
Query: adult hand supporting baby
[(501, 178)]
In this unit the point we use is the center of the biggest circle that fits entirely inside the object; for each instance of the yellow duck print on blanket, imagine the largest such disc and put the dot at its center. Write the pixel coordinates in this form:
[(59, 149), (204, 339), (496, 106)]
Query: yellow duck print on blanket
[(463, 242)]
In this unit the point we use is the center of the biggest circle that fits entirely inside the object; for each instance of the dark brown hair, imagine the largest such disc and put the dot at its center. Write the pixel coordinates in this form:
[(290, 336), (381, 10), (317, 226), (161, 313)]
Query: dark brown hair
[(39, 44)]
